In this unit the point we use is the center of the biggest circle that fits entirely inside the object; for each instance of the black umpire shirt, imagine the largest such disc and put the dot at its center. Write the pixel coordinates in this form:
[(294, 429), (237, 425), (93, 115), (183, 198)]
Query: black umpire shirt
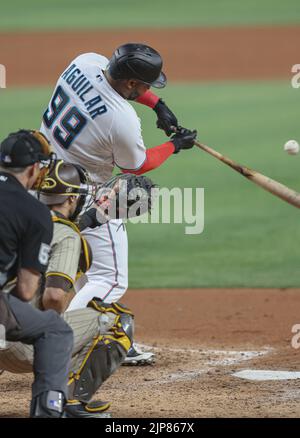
[(26, 230)]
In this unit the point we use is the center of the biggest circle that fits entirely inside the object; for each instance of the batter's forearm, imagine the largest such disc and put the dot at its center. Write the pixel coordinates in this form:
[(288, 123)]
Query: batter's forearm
[(155, 157)]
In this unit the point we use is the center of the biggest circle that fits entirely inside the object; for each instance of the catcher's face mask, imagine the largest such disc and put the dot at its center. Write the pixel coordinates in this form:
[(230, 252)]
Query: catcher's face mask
[(87, 190), (46, 159)]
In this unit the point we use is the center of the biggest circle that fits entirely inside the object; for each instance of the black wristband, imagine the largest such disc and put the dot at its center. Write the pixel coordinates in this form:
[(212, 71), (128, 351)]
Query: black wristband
[(87, 221), (160, 102), (176, 146)]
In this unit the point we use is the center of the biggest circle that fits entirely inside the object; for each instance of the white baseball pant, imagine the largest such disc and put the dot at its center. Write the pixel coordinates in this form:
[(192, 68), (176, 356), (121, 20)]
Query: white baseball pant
[(107, 278)]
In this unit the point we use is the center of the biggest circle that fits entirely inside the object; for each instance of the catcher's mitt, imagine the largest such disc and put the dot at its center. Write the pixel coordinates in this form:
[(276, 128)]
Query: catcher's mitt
[(122, 197), (125, 195)]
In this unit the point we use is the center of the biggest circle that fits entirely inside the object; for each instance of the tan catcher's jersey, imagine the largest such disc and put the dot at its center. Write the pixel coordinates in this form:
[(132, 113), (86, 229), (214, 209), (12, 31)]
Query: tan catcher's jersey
[(88, 123)]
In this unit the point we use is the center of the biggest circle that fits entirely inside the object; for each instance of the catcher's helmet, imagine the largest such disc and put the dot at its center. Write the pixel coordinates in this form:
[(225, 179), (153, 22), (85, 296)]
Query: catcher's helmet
[(137, 61), (66, 180)]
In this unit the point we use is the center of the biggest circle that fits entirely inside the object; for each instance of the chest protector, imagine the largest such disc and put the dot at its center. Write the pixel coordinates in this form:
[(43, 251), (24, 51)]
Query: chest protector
[(86, 256)]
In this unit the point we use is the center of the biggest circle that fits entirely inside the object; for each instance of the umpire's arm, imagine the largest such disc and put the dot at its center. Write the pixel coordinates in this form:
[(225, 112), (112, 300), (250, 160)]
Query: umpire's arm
[(34, 255), (27, 284)]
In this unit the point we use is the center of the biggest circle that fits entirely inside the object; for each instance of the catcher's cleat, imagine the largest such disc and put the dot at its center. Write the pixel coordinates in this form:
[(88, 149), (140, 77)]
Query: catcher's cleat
[(137, 357), (95, 409)]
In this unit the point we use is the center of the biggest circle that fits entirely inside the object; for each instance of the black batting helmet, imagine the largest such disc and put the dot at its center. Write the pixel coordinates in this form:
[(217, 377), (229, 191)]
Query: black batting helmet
[(137, 61)]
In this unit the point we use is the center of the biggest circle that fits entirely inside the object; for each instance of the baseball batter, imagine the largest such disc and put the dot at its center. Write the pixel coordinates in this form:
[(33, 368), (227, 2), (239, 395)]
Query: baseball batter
[(90, 122)]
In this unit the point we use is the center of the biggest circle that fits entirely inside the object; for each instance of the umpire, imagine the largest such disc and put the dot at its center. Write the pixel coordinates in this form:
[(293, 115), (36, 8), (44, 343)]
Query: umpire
[(25, 234)]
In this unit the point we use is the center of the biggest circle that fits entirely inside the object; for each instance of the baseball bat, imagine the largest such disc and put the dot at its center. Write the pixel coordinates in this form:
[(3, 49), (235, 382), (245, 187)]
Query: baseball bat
[(276, 188)]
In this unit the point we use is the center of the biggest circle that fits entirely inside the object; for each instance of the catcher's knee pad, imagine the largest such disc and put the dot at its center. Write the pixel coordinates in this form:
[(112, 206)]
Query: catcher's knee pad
[(123, 319), (105, 354)]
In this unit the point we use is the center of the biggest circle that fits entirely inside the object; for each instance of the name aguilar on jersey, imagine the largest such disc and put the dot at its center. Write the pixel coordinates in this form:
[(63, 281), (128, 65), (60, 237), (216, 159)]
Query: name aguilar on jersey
[(84, 90)]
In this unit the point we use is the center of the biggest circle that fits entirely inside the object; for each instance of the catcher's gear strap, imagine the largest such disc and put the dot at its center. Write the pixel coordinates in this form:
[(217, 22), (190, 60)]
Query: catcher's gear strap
[(116, 308), (148, 98), (92, 407), (104, 354), (85, 258), (59, 280), (154, 158)]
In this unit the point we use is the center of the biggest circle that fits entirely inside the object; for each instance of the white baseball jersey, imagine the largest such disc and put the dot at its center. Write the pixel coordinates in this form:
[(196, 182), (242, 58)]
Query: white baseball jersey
[(88, 123)]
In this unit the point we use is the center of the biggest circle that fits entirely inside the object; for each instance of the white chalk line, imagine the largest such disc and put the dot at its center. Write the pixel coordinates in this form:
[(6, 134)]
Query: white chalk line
[(225, 358), (220, 358)]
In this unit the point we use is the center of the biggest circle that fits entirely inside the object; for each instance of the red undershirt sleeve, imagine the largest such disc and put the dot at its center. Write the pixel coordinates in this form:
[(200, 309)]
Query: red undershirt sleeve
[(148, 99), (154, 158), (158, 154)]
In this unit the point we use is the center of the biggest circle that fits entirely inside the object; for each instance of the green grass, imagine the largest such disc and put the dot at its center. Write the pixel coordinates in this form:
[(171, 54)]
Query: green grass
[(251, 238), (99, 14)]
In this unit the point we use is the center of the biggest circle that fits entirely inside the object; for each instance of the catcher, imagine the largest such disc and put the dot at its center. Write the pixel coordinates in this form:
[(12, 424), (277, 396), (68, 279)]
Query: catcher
[(68, 190), (100, 341)]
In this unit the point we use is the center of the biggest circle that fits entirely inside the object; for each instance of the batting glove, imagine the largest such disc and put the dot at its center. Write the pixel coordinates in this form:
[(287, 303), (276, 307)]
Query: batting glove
[(183, 139), (166, 120)]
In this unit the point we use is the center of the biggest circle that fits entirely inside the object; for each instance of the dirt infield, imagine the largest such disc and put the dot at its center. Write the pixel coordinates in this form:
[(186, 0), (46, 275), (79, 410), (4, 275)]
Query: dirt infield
[(201, 337), (189, 54)]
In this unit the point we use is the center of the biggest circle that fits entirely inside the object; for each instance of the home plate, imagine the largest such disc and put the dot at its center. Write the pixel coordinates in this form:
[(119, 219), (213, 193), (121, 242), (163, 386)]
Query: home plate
[(267, 375)]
